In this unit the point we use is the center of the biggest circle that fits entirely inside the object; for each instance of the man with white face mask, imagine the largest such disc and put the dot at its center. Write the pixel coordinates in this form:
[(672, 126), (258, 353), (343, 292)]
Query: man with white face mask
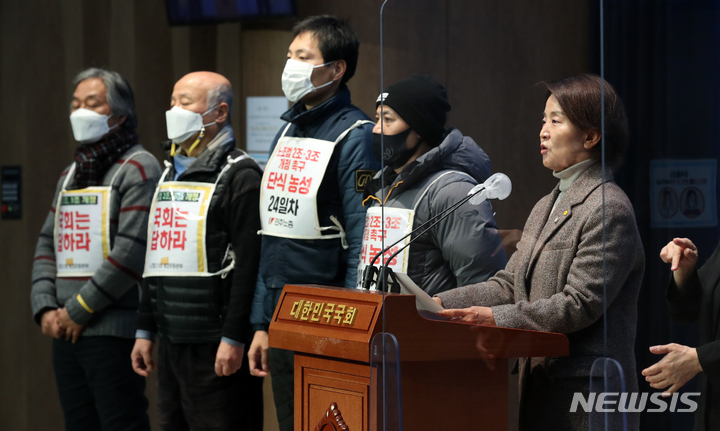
[(200, 267), (89, 259), (311, 208)]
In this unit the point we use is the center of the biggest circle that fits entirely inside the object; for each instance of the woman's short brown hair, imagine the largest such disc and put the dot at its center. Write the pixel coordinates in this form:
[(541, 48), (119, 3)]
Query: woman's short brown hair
[(579, 97)]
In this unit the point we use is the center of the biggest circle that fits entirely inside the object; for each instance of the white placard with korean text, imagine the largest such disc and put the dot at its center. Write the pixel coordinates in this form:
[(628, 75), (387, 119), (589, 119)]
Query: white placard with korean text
[(81, 231), (682, 193), (176, 230), (390, 224), (290, 186)]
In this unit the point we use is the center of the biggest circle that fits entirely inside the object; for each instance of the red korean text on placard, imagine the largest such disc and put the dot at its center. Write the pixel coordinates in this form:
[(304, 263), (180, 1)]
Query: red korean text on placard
[(369, 252), (312, 156), (276, 181), (393, 222), (285, 152), (296, 184), (71, 225), (374, 222), (295, 159), (291, 165), (298, 153), (171, 229)]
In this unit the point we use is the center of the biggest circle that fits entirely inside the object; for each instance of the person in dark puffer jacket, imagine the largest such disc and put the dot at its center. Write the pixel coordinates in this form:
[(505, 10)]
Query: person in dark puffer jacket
[(429, 169), (202, 317), (321, 59)]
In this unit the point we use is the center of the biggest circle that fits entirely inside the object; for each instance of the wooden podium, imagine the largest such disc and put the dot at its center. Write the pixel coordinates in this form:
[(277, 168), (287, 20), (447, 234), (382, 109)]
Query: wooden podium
[(445, 384)]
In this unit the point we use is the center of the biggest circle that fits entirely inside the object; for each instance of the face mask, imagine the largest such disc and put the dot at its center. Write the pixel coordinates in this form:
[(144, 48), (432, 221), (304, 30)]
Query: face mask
[(296, 82), (396, 154), (182, 124), (89, 126)]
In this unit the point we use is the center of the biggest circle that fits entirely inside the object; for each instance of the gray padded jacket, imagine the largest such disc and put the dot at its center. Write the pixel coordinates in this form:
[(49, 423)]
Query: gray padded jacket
[(465, 247)]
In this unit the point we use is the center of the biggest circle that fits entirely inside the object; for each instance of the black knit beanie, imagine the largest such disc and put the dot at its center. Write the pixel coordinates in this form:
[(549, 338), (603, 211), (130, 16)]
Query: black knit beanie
[(421, 101)]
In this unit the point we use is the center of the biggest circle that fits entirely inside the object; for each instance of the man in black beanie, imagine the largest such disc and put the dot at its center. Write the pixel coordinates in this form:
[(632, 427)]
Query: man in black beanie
[(428, 169), (422, 102)]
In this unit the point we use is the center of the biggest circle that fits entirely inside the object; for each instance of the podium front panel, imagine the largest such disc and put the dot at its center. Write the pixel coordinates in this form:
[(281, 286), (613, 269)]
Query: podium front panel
[(320, 382)]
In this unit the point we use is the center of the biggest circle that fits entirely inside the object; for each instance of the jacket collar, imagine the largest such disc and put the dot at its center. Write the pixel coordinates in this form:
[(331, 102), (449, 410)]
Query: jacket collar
[(211, 158), (590, 180), (302, 117), (584, 185), (455, 152)]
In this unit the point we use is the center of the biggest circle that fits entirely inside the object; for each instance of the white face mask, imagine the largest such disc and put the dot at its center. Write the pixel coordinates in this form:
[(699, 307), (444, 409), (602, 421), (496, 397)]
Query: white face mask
[(89, 126), (296, 82), (182, 124)]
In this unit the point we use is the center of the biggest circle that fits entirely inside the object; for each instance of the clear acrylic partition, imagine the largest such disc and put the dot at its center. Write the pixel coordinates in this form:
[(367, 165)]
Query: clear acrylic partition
[(663, 60), (607, 377), (385, 389), (490, 56), (608, 393)]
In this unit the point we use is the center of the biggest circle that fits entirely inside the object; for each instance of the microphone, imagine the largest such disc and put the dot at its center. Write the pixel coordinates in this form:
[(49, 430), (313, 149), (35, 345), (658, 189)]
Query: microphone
[(497, 186)]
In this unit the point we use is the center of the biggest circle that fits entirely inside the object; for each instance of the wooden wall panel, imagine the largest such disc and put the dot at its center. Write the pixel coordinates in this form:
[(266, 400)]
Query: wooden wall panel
[(73, 46), (122, 38), (229, 64), (96, 18), (203, 47), (180, 37), (43, 126), (495, 58), (154, 73), (14, 328)]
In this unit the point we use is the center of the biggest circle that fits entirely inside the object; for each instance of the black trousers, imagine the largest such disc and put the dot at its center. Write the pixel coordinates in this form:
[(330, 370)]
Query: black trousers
[(192, 397), (98, 388)]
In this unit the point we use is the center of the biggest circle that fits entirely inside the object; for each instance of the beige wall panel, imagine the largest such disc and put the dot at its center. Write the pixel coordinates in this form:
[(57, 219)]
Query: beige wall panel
[(270, 422), (365, 85), (264, 57), (264, 54)]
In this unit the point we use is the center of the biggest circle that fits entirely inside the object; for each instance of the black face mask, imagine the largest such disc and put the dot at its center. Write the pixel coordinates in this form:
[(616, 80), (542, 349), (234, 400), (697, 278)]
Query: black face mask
[(396, 154)]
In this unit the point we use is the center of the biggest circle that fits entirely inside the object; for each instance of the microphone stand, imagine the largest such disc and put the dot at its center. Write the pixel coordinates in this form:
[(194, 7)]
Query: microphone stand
[(385, 272)]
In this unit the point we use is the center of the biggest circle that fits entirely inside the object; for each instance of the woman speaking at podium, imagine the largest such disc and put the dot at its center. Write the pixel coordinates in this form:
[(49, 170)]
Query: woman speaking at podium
[(554, 282), (427, 170)]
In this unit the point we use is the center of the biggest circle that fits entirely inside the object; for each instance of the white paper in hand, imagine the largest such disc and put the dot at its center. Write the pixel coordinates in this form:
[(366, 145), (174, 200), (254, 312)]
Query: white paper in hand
[(423, 301)]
